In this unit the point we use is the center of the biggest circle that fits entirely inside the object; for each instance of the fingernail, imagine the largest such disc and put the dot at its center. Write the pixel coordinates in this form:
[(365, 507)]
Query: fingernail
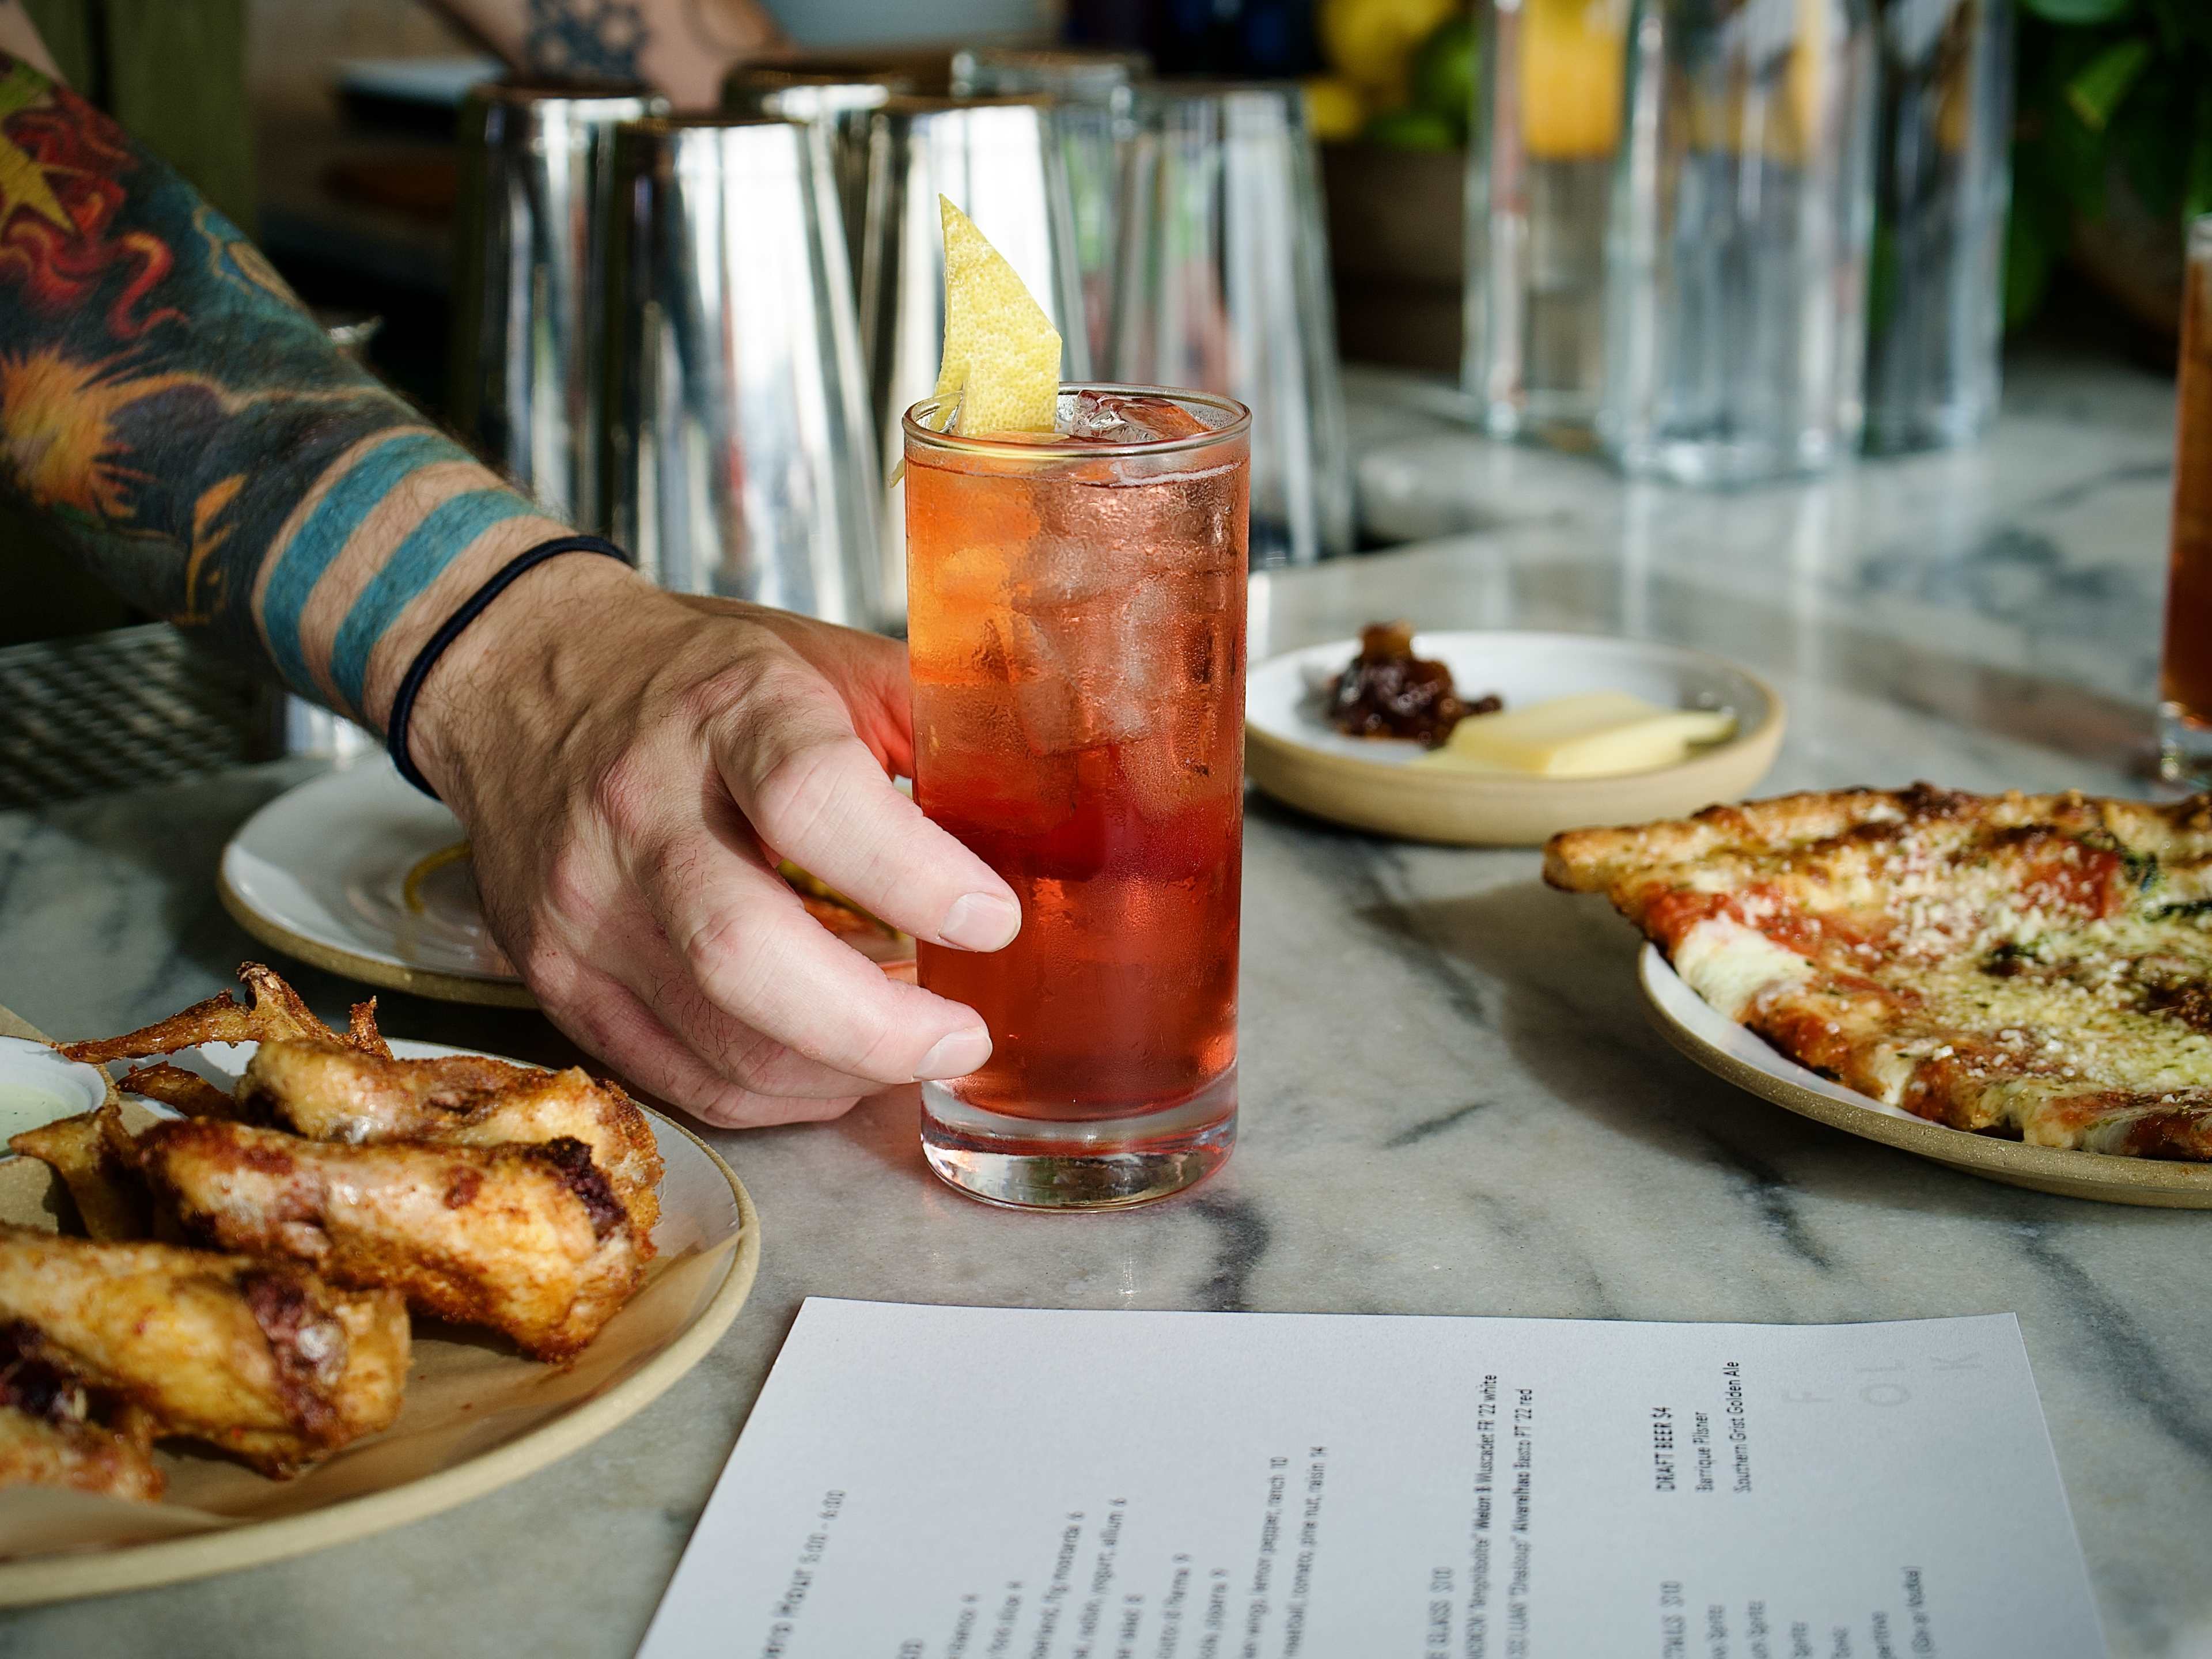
[(981, 922), (956, 1056)]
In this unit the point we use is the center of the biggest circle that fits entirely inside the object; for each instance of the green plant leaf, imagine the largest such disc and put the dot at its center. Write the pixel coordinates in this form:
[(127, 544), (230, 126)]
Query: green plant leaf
[(2182, 20), (2028, 261), (2035, 231), (2077, 13), (2150, 136), (2096, 93)]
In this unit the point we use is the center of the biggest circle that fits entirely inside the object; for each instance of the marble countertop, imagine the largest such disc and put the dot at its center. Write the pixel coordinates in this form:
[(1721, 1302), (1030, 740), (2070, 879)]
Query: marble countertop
[(1453, 1102)]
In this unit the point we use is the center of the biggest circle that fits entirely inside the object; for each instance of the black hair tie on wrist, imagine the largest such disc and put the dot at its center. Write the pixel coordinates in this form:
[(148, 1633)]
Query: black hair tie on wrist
[(410, 685)]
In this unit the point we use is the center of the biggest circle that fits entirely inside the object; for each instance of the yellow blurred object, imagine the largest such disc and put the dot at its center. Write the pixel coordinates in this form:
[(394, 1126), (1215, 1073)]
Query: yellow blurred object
[(1815, 69), (1573, 54), (1334, 109), (411, 885), (1780, 115), (1001, 352), (1370, 43)]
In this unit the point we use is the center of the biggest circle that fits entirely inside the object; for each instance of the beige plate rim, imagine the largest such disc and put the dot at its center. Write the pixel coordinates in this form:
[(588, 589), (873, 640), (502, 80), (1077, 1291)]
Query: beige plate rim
[(2101, 1176), (168, 1561), (392, 976)]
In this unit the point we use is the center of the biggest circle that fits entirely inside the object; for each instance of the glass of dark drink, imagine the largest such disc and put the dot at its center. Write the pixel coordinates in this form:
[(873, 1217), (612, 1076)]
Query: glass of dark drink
[(2185, 679)]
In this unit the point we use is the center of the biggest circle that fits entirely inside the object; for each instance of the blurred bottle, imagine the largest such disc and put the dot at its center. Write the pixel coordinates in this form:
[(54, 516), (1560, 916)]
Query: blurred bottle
[(1737, 252), (1545, 129), (1935, 312)]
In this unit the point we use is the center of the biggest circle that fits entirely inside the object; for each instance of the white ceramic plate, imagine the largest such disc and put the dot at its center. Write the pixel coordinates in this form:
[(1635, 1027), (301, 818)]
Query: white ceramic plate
[(1294, 754), (478, 1415), (1729, 1050), (320, 874)]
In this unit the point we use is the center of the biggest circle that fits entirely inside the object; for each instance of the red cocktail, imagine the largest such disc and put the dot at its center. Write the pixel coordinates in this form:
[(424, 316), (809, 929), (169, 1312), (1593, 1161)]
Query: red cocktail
[(1076, 616)]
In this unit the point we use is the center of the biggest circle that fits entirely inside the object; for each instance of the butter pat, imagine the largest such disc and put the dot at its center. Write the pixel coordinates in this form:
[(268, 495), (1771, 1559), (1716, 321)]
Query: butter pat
[(1591, 734)]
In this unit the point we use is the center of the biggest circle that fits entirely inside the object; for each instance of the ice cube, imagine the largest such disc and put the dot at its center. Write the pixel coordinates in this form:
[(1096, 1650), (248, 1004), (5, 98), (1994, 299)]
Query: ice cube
[(1097, 670), (1116, 417), (1064, 567)]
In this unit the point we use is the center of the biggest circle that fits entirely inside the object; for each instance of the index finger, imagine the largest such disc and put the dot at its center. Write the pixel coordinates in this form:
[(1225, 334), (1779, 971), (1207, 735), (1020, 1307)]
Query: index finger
[(812, 791)]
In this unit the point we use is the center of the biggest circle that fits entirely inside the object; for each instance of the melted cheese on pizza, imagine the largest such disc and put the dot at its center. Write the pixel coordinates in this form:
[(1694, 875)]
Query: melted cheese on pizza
[(2047, 977)]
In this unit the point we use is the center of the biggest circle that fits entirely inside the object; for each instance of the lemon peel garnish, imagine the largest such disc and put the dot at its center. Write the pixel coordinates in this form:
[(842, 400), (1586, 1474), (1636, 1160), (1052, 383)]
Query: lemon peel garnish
[(1001, 365)]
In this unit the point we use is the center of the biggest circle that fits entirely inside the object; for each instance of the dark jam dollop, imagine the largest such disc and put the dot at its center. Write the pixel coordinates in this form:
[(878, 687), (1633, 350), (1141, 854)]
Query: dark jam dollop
[(1389, 692)]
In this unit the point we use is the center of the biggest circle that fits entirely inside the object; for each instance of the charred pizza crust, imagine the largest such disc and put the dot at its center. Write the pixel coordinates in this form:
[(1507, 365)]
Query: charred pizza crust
[(2031, 965)]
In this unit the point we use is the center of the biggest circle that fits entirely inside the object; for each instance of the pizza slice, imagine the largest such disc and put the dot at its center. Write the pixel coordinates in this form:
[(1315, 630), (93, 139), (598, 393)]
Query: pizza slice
[(2036, 966)]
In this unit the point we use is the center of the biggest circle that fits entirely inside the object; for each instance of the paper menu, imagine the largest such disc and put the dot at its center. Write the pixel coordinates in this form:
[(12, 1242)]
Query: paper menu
[(973, 1483)]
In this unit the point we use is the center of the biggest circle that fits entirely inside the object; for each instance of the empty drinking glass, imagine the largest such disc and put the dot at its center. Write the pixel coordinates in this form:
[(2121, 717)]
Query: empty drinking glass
[(1225, 288), (1736, 257), (1935, 312), (1539, 178), (1095, 98)]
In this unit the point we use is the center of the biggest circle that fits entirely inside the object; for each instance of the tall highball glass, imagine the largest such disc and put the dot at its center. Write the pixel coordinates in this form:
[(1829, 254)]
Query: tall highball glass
[(1076, 620), (1936, 299), (1539, 184), (1736, 259)]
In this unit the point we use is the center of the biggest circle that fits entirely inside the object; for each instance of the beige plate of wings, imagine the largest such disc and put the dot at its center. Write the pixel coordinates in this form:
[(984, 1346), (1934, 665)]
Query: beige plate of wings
[(478, 1416), (1729, 1050)]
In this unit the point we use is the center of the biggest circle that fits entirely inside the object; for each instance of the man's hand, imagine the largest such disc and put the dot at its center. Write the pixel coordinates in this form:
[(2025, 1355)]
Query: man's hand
[(629, 765)]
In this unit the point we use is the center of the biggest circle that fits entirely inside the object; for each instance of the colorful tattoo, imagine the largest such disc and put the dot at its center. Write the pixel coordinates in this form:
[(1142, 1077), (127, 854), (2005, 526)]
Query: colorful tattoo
[(175, 412), (585, 39)]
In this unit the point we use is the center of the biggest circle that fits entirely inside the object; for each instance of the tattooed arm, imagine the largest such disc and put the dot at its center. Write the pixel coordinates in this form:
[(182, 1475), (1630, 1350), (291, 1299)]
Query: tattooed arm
[(19, 37), (622, 758), (681, 46)]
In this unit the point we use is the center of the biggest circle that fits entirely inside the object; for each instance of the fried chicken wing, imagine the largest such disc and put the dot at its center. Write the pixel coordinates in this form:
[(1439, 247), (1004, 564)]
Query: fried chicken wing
[(361, 1032), (93, 1156), (57, 1429), (339, 1095), (263, 1358), (530, 1240), (188, 1091), (276, 1011)]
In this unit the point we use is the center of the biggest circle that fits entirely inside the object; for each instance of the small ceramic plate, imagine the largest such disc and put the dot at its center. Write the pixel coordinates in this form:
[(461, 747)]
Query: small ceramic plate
[(37, 1086), (1729, 1050), (477, 1414), (1293, 753), (321, 874)]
